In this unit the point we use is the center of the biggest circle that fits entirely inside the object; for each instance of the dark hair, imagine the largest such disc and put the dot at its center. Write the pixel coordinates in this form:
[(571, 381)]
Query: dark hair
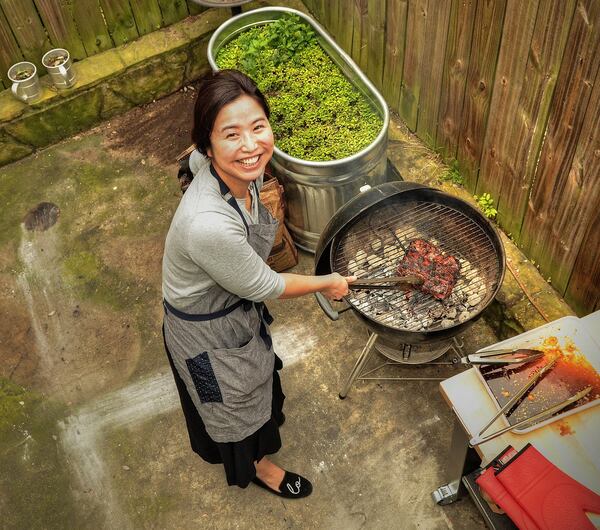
[(215, 90)]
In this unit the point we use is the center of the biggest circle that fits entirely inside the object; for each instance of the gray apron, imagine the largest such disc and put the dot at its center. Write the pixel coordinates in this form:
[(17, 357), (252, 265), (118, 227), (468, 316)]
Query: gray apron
[(222, 348)]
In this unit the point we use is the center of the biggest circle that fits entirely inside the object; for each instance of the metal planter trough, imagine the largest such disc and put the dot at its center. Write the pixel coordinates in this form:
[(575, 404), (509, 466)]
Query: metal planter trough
[(315, 190)]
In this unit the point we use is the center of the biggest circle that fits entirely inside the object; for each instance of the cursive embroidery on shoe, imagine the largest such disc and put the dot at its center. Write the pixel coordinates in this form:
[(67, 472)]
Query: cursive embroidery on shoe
[(297, 484)]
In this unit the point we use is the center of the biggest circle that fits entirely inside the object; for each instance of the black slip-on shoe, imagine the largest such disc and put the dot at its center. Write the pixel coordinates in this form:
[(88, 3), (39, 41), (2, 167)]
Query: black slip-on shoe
[(292, 486), (281, 420)]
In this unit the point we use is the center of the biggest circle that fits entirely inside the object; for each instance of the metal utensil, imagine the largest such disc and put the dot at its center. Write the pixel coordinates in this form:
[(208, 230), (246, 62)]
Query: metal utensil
[(504, 356), (389, 282), (540, 416), (521, 392)]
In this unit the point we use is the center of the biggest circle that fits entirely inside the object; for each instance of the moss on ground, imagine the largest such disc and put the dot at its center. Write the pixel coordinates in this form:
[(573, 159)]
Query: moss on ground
[(135, 455), (35, 480)]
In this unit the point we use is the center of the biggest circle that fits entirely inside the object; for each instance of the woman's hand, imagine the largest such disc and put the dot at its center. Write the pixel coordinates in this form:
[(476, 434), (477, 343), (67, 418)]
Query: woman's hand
[(333, 286), (337, 286)]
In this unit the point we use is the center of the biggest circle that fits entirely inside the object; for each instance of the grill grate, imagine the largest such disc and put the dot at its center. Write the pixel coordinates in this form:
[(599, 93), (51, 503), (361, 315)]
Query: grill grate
[(375, 243)]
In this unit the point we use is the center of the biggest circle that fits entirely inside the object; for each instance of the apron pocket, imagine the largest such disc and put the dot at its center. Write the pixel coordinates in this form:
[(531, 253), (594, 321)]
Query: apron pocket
[(241, 371), (204, 379)]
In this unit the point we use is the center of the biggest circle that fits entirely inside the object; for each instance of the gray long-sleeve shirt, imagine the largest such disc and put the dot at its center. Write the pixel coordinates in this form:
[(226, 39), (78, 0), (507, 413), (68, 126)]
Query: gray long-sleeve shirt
[(206, 245)]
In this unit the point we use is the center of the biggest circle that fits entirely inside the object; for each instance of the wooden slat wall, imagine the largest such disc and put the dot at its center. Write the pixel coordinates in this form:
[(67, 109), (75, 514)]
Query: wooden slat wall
[(172, 10), (344, 30), (562, 199), (438, 13), (510, 92), (376, 41), (487, 32), (454, 78), (394, 51), (543, 63), (120, 21), (509, 79), (580, 267), (57, 16), (147, 15), (29, 28), (10, 52), (413, 56)]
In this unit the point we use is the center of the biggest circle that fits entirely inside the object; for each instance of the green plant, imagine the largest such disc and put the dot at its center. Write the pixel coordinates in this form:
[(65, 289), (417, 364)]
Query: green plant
[(316, 113), (453, 174), (486, 203)]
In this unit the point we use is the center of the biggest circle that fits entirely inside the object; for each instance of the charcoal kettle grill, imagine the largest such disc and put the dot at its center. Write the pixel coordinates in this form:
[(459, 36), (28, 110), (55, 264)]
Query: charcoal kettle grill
[(369, 236)]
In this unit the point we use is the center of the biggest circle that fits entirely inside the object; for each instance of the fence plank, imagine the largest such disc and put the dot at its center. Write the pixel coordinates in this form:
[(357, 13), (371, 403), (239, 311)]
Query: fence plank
[(527, 130), (333, 24), (480, 76), (582, 293), (359, 33), (173, 10), (394, 51), (120, 21), (57, 16), (146, 14), (344, 30), (432, 68), (582, 195), (92, 29), (27, 29), (454, 78), (499, 144), (357, 7), (376, 41), (10, 53), (313, 8), (194, 8), (363, 60), (416, 29), (560, 195)]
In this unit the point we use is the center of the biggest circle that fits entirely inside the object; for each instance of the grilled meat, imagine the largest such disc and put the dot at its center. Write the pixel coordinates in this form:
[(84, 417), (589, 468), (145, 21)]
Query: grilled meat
[(439, 271)]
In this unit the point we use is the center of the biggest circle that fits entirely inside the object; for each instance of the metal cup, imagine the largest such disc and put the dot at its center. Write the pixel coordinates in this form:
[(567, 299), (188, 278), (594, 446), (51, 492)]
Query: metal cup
[(60, 68), (25, 81)]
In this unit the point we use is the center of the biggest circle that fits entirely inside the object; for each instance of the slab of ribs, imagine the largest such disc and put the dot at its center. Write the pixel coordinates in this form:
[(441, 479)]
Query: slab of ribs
[(439, 271)]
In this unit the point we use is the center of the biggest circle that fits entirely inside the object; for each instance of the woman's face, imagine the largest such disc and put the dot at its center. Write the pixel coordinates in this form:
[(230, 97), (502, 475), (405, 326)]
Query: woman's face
[(241, 142)]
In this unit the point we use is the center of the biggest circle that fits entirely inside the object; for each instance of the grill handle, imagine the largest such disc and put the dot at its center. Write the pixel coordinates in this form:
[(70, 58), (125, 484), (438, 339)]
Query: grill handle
[(328, 308)]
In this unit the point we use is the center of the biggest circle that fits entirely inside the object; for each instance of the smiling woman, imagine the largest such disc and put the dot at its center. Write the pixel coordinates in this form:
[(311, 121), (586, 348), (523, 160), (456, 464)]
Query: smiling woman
[(215, 282)]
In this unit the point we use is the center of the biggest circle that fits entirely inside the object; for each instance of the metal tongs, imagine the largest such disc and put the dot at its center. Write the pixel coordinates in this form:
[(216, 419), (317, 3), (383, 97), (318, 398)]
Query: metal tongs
[(388, 282), (540, 416), (532, 381), (503, 356)]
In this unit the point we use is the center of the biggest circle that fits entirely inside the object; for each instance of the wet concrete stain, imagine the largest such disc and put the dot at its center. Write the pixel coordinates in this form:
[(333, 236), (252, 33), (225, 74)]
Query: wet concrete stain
[(42, 217)]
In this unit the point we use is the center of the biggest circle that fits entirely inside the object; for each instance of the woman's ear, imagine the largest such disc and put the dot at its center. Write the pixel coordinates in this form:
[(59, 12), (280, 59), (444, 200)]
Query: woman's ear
[(209, 152)]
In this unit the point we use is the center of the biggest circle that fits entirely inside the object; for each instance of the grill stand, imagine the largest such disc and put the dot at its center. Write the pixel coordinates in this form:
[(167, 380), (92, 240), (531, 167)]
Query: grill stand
[(462, 460), (357, 372)]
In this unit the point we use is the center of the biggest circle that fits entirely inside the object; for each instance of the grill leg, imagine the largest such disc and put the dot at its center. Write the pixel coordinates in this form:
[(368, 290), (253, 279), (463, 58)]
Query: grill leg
[(360, 363), (463, 460)]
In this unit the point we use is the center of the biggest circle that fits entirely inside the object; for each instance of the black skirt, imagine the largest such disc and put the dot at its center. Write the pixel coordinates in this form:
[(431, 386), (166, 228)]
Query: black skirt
[(237, 457)]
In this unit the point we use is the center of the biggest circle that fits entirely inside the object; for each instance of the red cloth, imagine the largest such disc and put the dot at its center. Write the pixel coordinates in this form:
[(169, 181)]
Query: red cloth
[(552, 498), (488, 482)]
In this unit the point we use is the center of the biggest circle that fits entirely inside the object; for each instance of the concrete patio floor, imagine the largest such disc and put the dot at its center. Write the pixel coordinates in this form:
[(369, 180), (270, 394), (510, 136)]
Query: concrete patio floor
[(91, 435)]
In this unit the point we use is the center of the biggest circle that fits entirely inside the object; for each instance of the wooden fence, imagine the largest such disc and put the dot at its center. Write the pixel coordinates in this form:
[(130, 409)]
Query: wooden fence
[(29, 28), (509, 90)]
